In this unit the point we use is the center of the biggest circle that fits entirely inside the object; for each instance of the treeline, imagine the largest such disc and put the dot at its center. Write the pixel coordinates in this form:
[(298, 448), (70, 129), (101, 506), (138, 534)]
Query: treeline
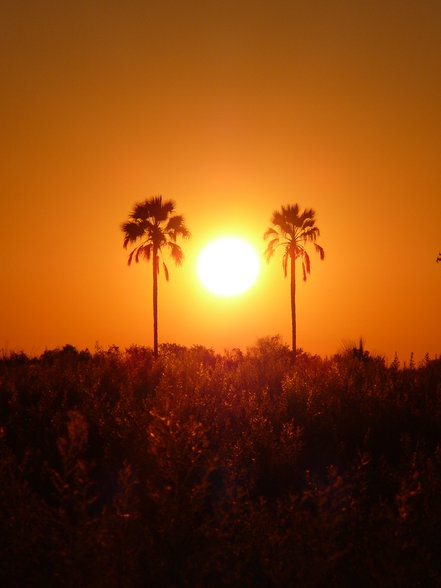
[(200, 469)]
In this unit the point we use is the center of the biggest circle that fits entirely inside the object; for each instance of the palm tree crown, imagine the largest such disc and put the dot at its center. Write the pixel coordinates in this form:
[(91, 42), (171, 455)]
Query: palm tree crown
[(146, 224), (292, 230), (153, 227)]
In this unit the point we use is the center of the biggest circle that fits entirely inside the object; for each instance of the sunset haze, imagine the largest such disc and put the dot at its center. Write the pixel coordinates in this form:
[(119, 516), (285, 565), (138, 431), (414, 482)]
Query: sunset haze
[(231, 110)]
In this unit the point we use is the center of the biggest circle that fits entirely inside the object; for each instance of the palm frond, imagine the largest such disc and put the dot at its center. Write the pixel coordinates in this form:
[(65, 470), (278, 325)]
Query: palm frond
[(129, 261), (175, 223), (280, 220), (285, 263), (270, 249), (320, 250), (304, 271), (290, 210), (307, 217), (132, 231), (140, 211), (158, 238), (184, 233), (176, 252), (160, 210), (165, 271), (269, 232), (307, 261), (138, 253), (176, 228), (267, 254), (310, 234), (273, 244), (147, 251), (308, 223), (291, 214)]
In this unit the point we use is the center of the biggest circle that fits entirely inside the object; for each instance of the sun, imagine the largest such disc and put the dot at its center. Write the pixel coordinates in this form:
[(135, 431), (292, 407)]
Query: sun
[(228, 266)]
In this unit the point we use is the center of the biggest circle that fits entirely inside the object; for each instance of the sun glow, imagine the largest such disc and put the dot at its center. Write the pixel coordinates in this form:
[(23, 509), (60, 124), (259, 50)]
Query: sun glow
[(228, 266)]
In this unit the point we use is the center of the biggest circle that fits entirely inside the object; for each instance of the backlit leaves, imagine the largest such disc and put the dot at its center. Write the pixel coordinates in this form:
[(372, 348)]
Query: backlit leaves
[(313, 474), (176, 253), (293, 229), (319, 250), (285, 262), (151, 222)]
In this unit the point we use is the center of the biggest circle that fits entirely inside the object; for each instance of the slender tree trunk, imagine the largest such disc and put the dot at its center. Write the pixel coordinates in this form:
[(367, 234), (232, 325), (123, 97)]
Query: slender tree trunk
[(293, 306), (155, 302)]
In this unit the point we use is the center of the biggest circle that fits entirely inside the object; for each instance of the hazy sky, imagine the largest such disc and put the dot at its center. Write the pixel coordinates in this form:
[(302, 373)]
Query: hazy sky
[(231, 109)]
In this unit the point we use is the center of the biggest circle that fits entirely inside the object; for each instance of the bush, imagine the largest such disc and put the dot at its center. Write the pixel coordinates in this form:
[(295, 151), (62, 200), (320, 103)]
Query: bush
[(201, 469)]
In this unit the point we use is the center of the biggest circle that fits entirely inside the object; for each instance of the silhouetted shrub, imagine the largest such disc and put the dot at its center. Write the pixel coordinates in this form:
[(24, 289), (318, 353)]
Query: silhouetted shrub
[(200, 469)]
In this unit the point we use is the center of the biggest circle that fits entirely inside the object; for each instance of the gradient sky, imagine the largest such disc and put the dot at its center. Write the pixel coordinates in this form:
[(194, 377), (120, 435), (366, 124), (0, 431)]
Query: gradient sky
[(231, 109)]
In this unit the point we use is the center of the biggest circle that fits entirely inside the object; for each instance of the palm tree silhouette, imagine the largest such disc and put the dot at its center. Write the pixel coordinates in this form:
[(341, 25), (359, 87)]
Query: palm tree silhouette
[(292, 230), (152, 225), (438, 259)]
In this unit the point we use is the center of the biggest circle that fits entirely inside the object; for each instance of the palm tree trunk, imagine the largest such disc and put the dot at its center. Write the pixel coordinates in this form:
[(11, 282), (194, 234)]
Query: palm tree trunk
[(293, 306), (155, 302)]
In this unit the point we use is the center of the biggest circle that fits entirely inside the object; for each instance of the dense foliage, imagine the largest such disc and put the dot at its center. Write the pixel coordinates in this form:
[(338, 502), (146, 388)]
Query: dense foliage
[(200, 469)]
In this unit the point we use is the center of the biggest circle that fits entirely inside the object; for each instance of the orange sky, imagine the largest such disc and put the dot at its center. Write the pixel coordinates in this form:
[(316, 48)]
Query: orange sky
[(231, 109)]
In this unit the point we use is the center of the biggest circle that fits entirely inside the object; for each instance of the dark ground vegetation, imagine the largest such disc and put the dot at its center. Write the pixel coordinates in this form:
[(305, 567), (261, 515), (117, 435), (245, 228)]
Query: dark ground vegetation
[(219, 470)]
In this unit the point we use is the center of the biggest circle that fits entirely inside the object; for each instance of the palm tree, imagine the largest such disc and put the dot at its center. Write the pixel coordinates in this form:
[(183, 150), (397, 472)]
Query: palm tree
[(292, 230), (153, 227)]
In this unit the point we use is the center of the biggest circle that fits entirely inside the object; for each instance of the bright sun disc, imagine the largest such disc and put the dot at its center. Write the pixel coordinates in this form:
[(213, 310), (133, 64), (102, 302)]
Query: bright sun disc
[(228, 266)]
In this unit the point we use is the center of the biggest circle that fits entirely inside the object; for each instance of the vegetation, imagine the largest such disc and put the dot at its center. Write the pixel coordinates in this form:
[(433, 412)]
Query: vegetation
[(153, 227), (199, 469), (291, 230)]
